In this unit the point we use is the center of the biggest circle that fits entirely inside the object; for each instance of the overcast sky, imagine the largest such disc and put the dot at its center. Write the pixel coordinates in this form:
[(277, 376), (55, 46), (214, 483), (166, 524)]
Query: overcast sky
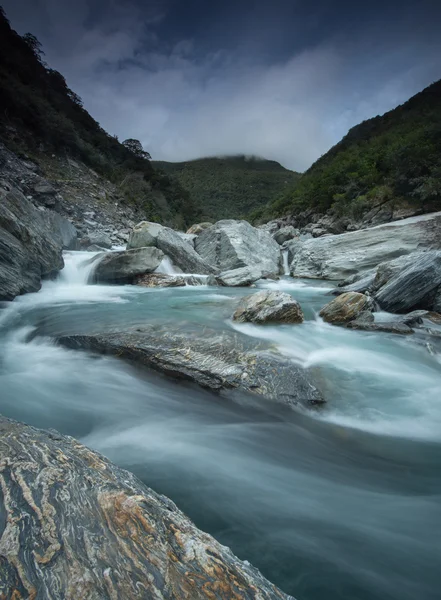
[(283, 79)]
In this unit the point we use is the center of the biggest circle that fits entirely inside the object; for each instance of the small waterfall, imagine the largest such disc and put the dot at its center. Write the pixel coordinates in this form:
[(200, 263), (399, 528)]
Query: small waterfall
[(167, 267), (77, 267), (285, 262)]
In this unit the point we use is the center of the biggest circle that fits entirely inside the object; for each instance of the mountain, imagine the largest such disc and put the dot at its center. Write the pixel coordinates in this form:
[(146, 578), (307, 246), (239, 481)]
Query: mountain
[(394, 159), (230, 187), (42, 119)]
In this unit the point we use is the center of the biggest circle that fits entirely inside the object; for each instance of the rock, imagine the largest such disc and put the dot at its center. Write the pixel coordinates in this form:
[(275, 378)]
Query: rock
[(230, 244), (339, 256), (435, 317), (181, 253), (362, 284), (161, 280), (198, 228), (270, 227), (413, 318), (187, 237), (144, 234), (392, 327), (45, 193), (386, 270), (292, 246), (74, 525), (64, 231), (286, 233), (414, 286), (346, 307), (125, 266), (30, 249), (97, 238), (241, 277), (436, 306), (366, 316), (268, 307), (213, 361), (95, 248)]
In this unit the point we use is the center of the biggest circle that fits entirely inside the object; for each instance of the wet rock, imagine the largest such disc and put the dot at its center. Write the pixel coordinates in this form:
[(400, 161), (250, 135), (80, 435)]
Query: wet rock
[(181, 253), (214, 361), (363, 283), (30, 247), (413, 286), (126, 266), (285, 234), (95, 248), (161, 280), (413, 318), (230, 244), (74, 525), (386, 270), (241, 277), (346, 307), (339, 256), (391, 327), (144, 234), (268, 307), (198, 228)]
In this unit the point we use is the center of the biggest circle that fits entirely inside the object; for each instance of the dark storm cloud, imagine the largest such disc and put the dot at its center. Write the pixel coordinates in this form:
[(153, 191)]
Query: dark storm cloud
[(282, 79)]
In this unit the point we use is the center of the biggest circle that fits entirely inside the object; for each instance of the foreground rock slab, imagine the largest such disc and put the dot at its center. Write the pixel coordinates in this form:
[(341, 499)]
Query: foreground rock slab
[(268, 307), (76, 526), (346, 307), (214, 361), (339, 256), (125, 266)]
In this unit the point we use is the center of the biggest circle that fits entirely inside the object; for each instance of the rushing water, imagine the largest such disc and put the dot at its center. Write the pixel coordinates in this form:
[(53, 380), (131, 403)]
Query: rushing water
[(338, 504)]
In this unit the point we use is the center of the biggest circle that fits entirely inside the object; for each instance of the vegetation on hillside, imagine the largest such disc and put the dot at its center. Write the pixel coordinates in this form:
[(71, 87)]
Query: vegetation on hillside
[(230, 187), (39, 113), (395, 157)]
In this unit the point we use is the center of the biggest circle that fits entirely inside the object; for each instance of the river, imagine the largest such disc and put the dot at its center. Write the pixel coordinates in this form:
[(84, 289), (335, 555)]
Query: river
[(341, 503)]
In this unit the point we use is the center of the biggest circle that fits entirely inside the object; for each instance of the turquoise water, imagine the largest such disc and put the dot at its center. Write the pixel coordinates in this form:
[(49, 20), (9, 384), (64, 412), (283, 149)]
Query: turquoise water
[(343, 503)]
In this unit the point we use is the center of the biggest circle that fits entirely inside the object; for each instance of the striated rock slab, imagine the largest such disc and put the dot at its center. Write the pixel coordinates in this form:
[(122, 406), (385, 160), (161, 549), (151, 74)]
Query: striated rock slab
[(125, 266), (242, 277), (346, 307), (268, 307), (215, 361), (30, 245), (181, 253), (339, 256), (230, 244), (391, 327), (76, 526)]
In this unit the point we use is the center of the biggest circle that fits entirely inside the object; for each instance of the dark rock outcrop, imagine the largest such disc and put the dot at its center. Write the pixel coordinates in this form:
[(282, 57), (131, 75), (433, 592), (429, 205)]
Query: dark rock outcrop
[(125, 266), (74, 525), (30, 246), (213, 361), (346, 307), (229, 245), (268, 307)]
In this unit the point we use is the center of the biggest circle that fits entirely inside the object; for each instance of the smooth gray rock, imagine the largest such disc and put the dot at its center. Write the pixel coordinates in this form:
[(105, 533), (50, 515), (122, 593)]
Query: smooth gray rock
[(386, 270), (268, 307), (346, 307), (187, 237), (361, 285), (292, 246), (241, 277), (76, 526), (125, 266), (97, 238), (181, 253), (386, 327), (212, 360), (144, 234), (285, 234), (30, 248), (339, 256), (230, 244), (414, 286), (64, 231)]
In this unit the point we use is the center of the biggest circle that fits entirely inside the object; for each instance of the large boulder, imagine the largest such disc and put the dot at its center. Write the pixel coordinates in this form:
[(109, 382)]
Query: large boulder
[(97, 238), (198, 228), (181, 253), (346, 307), (65, 233), (125, 266), (268, 307), (414, 286), (284, 234), (233, 244), (214, 361), (30, 246), (74, 525), (338, 256), (241, 277), (144, 234)]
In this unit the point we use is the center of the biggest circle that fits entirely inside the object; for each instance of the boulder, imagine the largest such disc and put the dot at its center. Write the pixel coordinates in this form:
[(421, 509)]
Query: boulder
[(414, 286), (286, 233), (346, 307), (64, 231), (187, 237), (233, 244), (268, 307), (198, 228), (382, 327), (214, 361), (241, 277), (144, 234), (96, 238), (181, 253), (292, 246), (30, 247), (388, 269), (74, 525), (152, 280), (339, 256), (126, 266)]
